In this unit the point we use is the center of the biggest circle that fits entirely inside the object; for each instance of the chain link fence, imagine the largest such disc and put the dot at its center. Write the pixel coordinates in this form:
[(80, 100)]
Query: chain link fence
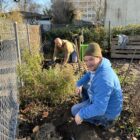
[(8, 82), (13, 39)]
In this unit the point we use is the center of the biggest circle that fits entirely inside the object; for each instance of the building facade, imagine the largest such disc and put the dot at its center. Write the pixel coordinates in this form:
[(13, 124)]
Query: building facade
[(85, 8), (122, 12)]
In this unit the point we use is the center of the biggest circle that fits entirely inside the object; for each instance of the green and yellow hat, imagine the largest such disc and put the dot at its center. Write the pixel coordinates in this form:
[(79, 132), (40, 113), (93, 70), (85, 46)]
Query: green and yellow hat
[(93, 49)]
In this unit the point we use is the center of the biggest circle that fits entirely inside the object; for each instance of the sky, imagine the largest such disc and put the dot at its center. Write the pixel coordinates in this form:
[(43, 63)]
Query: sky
[(46, 2)]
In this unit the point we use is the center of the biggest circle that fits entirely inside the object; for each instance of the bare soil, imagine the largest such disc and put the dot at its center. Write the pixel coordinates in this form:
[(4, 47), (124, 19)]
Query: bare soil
[(56, 122)]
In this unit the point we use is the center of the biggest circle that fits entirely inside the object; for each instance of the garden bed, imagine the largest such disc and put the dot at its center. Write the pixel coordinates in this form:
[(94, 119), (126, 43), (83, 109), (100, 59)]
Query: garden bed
[(40, 120)]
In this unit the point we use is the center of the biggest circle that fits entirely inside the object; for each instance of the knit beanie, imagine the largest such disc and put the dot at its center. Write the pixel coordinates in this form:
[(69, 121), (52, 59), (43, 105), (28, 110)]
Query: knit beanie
[(93, 49)]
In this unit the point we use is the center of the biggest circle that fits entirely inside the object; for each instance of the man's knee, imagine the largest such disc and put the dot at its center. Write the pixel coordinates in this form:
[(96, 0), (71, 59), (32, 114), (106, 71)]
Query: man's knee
[(74, 57), (75, 60)]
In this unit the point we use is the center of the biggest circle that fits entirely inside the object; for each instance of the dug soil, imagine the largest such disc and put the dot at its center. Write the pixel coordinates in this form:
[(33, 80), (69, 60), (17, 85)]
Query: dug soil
[(43, 121)]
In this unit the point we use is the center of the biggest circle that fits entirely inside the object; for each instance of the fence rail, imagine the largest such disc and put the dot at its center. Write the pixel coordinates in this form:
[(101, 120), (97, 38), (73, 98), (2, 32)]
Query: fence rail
[(132, 48)]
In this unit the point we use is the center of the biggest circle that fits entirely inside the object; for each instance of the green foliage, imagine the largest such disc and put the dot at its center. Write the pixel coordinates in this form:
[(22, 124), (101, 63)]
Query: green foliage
[(30, 68), (97, 34), (59, 83), (128, 30), (52, 85), (126, 124), (63, 33), (137, 131)]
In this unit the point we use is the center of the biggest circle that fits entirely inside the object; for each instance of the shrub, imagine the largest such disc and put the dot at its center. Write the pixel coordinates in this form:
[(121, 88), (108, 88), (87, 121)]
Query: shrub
[(97, 34), (52, 85), (60, 83), (13, 16), (128, 30)]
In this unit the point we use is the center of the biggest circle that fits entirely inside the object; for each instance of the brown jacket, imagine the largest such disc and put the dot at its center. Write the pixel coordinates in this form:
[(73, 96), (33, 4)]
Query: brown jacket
[(67, 48)]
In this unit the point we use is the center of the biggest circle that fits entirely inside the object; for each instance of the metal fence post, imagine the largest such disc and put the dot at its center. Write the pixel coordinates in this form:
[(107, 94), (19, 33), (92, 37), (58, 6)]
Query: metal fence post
[(109, 41), (17, 42)]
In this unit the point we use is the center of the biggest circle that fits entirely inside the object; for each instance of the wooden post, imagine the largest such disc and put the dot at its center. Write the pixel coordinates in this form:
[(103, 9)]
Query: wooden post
[(28, 37), (17, 43)]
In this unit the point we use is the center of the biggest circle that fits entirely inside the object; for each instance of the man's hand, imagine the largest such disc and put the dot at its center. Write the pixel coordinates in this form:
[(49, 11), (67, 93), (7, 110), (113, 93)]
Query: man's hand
[(54, 58), (78, 119), (78, 90)]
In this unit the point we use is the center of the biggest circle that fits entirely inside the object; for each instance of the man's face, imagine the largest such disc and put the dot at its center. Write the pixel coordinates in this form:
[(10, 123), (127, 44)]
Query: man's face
[(92, 62), (58, 43)]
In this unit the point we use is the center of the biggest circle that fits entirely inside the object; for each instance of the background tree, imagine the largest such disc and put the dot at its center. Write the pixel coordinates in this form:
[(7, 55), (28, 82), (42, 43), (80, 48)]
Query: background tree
[(3, 5), (63, 12), (15, 16), (29, 6), (34, 7), (48, 11), (99, 8)]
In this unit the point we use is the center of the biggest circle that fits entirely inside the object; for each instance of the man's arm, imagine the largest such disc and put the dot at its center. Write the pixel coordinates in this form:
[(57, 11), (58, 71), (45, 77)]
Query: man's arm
[(67, 54), (85, 78), (99, 104), (55, 53)]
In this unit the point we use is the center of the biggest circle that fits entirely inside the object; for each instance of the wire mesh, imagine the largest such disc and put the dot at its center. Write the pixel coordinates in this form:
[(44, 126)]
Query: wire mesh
[(14, 38), (9, 106)]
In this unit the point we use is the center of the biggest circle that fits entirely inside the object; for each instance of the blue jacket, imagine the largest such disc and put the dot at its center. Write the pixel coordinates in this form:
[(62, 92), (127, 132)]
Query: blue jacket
[(105, 93)]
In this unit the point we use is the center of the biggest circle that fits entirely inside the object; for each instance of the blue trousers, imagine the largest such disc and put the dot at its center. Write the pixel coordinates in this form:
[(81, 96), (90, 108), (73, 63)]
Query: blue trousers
[(74, 57), (98, 120)]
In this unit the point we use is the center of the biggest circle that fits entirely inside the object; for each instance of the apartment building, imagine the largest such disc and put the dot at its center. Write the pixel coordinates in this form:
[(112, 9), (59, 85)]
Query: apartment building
[(85, 8), (122, 12)]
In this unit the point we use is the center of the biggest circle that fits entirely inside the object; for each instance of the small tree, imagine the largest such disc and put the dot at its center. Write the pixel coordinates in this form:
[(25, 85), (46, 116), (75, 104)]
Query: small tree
[(35, 7), (99, 7), (53, 85), (48, 12), (28, 6)]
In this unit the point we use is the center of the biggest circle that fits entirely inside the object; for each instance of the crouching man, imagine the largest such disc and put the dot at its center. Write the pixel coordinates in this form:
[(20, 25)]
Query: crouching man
[(102, 99), (66, 49)]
